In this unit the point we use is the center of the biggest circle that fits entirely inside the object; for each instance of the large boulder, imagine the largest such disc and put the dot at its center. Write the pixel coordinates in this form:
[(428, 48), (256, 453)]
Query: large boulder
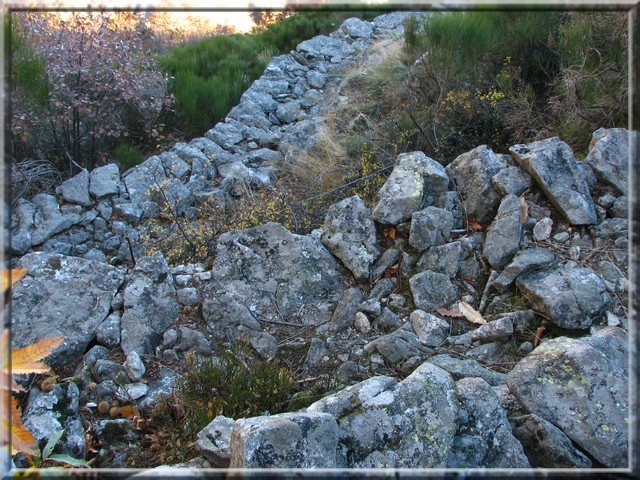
[(569, 297), (288, 440), (552, 165), (268, 273), (414, 176), (350, 234), (484, 438), (386, 423), (61, 296), (609, 157), (473, 172), (581, 386), (150, 305)]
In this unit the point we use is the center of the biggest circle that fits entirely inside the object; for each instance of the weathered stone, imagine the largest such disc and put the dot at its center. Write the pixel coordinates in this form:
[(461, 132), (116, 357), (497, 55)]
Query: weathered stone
[(144, 179), (382, 288), (545, 445), (542, 229), (500, 329), (187, 296), (356, 28), (441, 258), (452, 202), (361, 323), (429, 227), (287, 440), (487, 353), (104, 181), (48, 220), (350, 234), (397, 346), (461, 367), (128, 212), (384, 423), (76, 189), (484, 438), (609, 157), (23, 218), (317, 351), (386, 321), (431, 330), (108, 332), (503, 237), (61, 296), (524, 261), (134, 367), (345, 311), (472, 172), (322, 47), (413, 176), (214, 441), (511, 181), (581, 386), (552, 165), (150, 304), (432, 290), (569, 297), (389, 258)]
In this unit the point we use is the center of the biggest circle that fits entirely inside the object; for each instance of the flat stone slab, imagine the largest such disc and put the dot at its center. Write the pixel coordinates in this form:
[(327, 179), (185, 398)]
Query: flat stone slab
[(609, 157)]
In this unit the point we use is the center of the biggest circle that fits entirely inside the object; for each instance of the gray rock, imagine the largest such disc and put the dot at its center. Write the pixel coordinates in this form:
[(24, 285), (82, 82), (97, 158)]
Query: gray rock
[(108, 332), (356, 28), (131, 392), (129, 212), (287, 440), (484, 438), (371, 306), (503, 237), (386, 321), (115, 436), (322, 47), (389, 258), (361, 323), (264, 155), (413, 176), (104, 370), (350, 234), (524, 261), (452, 202), (386, 423), (48, 220), (542, 229), (46, 413), (397, 346), (345, 311), (144, 179), (61, 296), (150, 304), (268, 272), (317, 351), (23, 217), (316, 79), (431, 330), (620, 207), (472, 172), (442, 259), (97, 352), (134, 367), (511, 181), (609, 157), (461, 367), (581, 386), (432, 290), (611, 228), (487, 353), (383, 288), (214, 441), (187, 296), (227, 134), (429, 227), (545, 445), (104, 181), (76, 189), (500, 329), (569, 297), (552, 165)]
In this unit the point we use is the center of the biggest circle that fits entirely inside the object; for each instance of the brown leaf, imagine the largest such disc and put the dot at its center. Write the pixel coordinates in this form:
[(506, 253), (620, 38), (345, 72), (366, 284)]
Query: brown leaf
[(9, 277), (392, 271), (129, 412), (524, 210), (21, 439), (475, 226), (449, 313), (390, 232), (471, 313), (28, 359), (538, 335)]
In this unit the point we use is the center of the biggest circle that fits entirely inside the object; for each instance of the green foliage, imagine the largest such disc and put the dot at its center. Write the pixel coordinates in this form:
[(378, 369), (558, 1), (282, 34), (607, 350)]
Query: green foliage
[(28, 68), (128, 156), (47, 456)]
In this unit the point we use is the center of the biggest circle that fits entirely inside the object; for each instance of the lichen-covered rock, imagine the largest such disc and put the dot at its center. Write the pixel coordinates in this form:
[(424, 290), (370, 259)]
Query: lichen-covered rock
[(214, 441), (461, 367), (441, 259), (430, 227), (48, 219), (397, 346), (287, 440), (472, 172), (104, 181), (484, 438), (609, 157), (511, 181), (22, 222), (386, 423), (432, 290), (61, 296), (581, 386), (503, 237), (545, 445), (414, 175), (431, 330), (569, 297), (150, 304), (76, 189), (350, 234), (552, 165), (267, 272)]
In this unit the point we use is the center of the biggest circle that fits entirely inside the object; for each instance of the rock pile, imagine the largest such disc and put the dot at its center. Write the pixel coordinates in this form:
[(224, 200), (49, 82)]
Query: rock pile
[(489, 330)]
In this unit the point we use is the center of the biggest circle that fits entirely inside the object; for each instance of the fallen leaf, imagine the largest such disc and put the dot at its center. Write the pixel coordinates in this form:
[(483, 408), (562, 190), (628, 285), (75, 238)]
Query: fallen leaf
[(524, 210), (391, 271), (9, 277), (129, 412), (475, 226), (538, 335), (21, 439), (390, 232), (449, 313), (28, 359), (471, 313)]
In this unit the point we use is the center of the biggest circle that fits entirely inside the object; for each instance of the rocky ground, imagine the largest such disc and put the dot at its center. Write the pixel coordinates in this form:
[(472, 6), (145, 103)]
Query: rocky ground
[(476, 316)]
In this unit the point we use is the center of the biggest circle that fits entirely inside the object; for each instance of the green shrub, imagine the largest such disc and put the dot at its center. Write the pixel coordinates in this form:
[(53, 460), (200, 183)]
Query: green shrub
[(128, 156)]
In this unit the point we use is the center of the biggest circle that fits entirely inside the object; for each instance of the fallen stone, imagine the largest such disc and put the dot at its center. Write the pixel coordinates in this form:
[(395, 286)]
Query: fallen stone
[(397, 346), (214, 441), (431, 330), (511, 181), (76, 189), (432, 290), (503, 237), (609, 157), (441, 258), (552, 165), (460, 367), (104, 181), (430, 227), (345, 311), (524, 261)]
